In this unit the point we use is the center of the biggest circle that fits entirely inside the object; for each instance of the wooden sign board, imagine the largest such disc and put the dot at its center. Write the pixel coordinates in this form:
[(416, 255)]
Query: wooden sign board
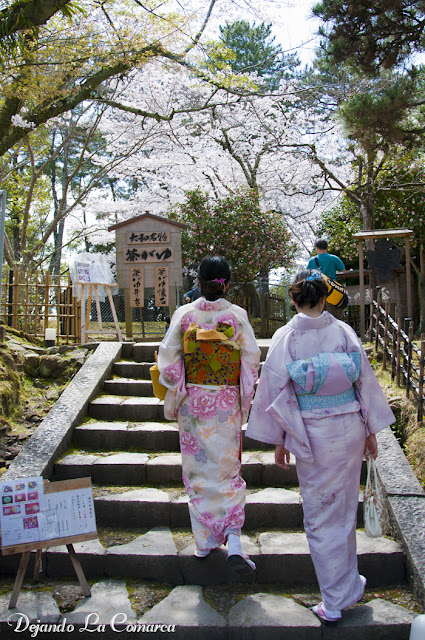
[(150, 237), (151, 241), (137, 255), (137, 287), (161, 287)]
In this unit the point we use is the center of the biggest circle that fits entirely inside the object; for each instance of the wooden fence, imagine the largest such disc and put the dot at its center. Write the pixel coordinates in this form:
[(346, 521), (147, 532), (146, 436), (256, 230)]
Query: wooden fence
[(399, 351), (34, 304)]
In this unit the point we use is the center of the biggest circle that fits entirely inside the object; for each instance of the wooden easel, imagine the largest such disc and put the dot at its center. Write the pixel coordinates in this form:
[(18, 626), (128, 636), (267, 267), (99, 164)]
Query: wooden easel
[(85, 317), (27, 548)]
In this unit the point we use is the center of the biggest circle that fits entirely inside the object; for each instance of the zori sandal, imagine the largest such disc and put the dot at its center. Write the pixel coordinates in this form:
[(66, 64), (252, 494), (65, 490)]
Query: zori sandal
[(322, 614), (241, 565)]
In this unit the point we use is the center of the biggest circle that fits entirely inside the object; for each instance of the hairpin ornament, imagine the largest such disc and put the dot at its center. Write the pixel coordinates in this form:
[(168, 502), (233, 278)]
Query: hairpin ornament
[(220, 280), (315, 275)]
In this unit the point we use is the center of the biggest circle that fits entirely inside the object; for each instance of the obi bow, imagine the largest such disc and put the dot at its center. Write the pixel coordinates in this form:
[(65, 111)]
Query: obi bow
[(325, 373), (194, 335)]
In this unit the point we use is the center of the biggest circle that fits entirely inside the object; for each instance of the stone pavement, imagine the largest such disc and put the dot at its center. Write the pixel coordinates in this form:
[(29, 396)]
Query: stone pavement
[(185, 614), (132, 456)]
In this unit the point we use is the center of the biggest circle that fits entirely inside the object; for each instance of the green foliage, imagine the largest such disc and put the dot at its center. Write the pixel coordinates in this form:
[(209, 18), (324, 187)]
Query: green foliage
[(378, 115), (253, 241), (399, 202), (253, 51), (372, 34)]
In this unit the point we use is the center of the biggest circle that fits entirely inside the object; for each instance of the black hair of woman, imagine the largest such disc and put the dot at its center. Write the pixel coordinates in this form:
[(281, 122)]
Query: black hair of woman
[(213, 276), (308, 288)]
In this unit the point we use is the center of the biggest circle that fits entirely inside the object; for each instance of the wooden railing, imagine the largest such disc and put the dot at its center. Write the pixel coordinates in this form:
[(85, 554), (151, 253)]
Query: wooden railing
[(34, 304), (399, 351)]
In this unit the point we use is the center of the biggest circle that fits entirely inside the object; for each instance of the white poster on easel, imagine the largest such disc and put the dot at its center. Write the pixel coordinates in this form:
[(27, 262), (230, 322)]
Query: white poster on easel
[(32, 512)]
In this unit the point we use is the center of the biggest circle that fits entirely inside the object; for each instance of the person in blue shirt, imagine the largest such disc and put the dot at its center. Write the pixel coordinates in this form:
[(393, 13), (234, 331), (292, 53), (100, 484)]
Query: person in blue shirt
[(192, 295), (328, 263)]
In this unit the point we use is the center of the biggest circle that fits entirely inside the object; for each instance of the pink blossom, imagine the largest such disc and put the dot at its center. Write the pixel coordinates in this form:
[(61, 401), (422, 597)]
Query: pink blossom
[(186, 482), (189, 445), (187, 321), (227, 398), (173, 372), (228, 318), (201, 403), (235, 516)]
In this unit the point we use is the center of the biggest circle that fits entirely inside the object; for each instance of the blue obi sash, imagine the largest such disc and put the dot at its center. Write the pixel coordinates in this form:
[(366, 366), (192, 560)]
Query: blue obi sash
[(325, 380)]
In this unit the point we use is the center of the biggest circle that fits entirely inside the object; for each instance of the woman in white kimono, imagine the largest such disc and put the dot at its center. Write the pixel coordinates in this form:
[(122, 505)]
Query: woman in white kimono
[(209, 362), (319, 399)]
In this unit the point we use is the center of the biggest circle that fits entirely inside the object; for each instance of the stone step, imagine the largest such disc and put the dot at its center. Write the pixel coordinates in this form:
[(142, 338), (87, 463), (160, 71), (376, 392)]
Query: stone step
[(128, 387), (108, 407), (168, 556), (145, 436), (265, 509), (249, 614), (131, 369), (134, 469)]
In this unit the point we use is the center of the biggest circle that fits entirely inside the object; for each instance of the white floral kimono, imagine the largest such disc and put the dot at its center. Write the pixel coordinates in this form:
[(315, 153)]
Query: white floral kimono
[(319, 397), (209, 361)]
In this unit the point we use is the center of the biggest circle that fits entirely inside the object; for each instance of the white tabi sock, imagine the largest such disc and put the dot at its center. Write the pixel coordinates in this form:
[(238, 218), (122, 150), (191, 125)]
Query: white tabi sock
[(234, 545)]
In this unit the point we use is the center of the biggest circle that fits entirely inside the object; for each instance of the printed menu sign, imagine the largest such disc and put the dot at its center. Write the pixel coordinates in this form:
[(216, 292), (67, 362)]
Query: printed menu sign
[(29, 514)]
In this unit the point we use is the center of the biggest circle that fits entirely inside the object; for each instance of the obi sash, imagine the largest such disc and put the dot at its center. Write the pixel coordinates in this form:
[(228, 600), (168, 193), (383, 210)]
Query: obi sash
[(211, 357), (325, 380)]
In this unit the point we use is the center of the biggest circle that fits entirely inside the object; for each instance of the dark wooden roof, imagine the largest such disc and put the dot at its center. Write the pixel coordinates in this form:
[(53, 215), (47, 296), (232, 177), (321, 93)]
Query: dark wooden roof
[(181, 225)]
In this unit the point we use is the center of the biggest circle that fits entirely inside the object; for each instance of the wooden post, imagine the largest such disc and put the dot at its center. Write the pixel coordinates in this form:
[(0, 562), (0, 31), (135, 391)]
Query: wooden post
[(46, 300), (19, 579), (398, 320), (372, 300), (421, 380), (406, 325), (114, 313), (378, 311), (78, 570), (128, 314), (408, 278), (26, 303), (394, 347), (362, 292), (409, 358), (15, 298), (386, 323), (83, 313), (36, 305)]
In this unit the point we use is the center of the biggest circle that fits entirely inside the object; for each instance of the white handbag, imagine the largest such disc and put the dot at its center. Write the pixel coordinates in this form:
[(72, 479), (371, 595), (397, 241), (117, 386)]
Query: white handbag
[(373, 503)]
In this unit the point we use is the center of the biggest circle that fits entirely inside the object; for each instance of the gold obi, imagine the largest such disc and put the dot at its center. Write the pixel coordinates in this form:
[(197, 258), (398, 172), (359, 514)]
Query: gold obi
[(210, 356)]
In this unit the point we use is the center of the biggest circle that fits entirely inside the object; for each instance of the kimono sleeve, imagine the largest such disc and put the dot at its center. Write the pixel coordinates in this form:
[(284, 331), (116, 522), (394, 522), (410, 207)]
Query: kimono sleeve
[(250, 362), (171, 368), (376, 411)]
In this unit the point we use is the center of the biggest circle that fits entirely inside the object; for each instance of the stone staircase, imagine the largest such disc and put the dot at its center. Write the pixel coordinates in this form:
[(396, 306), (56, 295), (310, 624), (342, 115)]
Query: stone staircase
[(132, 456)]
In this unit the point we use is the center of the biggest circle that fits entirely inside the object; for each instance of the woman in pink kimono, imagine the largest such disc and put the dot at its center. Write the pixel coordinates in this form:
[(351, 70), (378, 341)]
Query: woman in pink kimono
[(209, 361), (319, 399)]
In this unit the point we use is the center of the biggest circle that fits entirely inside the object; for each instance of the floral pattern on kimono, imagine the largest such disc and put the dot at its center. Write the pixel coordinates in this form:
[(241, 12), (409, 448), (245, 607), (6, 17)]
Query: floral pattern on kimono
[(209, 413)]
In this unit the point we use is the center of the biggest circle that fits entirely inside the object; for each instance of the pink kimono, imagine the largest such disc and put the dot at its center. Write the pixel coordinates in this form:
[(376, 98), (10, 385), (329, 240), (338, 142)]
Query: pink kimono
[(319, 397), (209, 361)]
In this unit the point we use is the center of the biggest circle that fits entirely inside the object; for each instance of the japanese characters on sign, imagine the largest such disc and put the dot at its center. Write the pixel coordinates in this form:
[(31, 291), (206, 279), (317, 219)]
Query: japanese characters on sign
[(137, 287), (149, 237), (161, 286), (157, 254)]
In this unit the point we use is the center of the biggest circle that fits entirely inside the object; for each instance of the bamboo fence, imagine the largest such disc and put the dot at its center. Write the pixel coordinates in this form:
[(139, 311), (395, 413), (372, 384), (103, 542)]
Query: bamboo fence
[(400, 353), (34, 304)]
